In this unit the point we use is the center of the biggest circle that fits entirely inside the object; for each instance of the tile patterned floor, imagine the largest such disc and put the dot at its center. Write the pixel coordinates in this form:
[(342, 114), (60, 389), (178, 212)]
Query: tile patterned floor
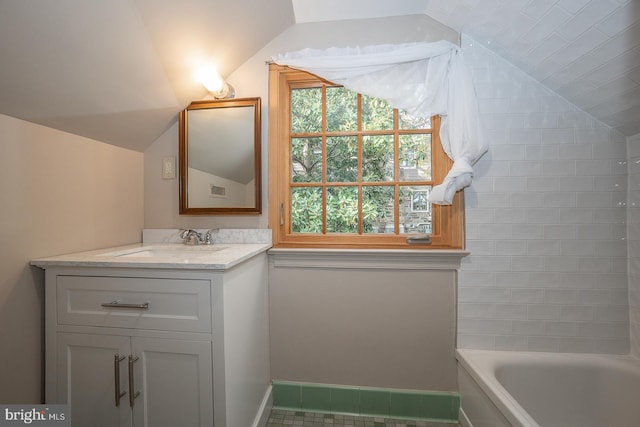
[(280, 418)]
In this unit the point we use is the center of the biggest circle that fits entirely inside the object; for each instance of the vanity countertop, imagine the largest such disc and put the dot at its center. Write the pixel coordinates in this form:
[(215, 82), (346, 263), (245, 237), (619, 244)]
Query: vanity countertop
[(221, 256)]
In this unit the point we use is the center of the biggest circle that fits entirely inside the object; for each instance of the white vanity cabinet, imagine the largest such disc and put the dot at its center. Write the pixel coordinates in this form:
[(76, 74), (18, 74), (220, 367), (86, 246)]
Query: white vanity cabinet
[(158, 347), (172, 380)]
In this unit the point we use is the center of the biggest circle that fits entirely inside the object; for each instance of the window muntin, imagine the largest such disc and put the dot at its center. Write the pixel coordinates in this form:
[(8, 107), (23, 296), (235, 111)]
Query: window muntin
[(351, 170)]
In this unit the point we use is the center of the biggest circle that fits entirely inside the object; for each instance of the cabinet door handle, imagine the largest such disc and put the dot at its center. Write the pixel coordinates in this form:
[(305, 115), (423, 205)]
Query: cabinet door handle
[(118, 304), (116, 369), (132, 393)]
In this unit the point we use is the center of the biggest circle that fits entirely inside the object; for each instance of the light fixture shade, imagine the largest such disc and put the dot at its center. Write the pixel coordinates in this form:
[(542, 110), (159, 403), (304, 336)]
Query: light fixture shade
[(226, 91), (214, 83)]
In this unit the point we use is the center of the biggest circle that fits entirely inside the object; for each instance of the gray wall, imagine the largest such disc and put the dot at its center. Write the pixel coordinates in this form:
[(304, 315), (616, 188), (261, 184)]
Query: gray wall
[(60, 193), (360, 326)]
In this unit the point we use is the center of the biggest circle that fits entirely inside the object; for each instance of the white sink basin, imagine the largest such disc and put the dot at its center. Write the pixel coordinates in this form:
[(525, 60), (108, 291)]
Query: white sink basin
[(178, 251)]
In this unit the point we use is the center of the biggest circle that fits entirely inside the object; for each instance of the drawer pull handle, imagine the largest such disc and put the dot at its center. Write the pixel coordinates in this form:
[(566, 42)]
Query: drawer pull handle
[(116, 367), (132, 393), (118, 304)]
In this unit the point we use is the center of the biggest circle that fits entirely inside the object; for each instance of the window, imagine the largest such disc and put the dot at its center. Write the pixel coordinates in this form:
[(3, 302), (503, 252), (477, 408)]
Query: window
[(347, 170)]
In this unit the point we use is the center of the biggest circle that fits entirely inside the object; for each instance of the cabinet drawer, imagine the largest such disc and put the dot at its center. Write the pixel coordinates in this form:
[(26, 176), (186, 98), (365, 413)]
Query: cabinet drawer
[(173, 304)]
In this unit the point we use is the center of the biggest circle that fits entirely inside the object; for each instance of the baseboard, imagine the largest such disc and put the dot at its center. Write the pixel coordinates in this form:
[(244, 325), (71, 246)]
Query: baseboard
[(265, 409), (432, 406)]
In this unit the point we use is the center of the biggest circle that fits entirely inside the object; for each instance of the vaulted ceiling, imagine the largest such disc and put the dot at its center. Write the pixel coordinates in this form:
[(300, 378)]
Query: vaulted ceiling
[(120, 70), (587, 51)]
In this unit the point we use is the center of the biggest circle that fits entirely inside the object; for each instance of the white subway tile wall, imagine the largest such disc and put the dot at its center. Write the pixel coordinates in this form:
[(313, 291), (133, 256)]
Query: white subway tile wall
[(546, 222), (633, 233), (585, 50)]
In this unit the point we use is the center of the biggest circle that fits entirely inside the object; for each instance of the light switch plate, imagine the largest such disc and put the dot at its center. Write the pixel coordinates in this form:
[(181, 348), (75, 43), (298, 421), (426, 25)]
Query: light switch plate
[(169, 168)]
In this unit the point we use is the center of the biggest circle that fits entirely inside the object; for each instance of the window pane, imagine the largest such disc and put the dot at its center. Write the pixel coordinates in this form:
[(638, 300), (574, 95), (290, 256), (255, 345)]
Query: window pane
[(306, 110), (306, 210), (342, 110), (377, 158), (377, 209), (342, 210), (415, 157), (405, 121), (415, 210), (377, 114), (306, 159), (342, 159)]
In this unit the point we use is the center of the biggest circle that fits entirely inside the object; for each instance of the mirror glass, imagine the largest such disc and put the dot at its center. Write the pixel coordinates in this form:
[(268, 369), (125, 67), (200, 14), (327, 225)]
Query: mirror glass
[(220, 157)]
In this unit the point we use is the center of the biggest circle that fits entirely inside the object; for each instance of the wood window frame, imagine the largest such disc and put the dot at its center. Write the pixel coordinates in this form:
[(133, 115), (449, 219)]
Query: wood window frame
[(447, 221)]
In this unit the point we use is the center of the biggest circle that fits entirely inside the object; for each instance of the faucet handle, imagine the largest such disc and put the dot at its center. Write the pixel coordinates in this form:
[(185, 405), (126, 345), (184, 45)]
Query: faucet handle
[(185, 232), (191, 237), (208, 236)]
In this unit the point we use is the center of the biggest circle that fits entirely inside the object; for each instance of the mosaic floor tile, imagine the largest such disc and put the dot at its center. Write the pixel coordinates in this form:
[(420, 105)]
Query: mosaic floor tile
[(281, 418)]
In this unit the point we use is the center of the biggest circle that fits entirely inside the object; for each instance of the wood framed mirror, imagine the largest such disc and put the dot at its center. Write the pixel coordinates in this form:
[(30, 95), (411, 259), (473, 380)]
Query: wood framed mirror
[(219, 157)]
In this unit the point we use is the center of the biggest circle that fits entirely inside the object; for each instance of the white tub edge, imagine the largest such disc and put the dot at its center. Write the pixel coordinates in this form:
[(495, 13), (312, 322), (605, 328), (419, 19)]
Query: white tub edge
[(505, 403), (481, 365)]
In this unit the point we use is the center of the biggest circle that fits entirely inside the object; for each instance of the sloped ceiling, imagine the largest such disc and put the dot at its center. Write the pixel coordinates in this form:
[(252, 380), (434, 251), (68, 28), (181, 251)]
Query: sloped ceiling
[(119, 71), (587, 51)]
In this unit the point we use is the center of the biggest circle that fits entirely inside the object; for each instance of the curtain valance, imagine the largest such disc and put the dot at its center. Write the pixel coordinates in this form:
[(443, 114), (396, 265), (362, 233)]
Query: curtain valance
[(425, 79)]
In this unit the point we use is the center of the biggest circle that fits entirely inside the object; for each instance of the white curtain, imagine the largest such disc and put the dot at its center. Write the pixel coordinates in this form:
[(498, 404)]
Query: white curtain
[(425, 79)]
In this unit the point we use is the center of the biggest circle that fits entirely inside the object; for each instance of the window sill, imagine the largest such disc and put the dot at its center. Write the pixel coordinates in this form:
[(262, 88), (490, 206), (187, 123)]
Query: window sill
[(398, 259)]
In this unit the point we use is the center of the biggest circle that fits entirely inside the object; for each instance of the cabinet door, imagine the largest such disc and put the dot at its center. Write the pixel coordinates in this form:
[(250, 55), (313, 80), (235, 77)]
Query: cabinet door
[(175, 381), (86, 379)]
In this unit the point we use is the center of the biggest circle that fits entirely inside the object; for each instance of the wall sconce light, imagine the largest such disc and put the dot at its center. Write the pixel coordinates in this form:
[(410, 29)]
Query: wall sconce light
[(214, 83)]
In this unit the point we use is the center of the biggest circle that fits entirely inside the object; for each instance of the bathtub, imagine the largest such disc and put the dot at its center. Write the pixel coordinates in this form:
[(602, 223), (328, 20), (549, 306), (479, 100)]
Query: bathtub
[(524, 389)]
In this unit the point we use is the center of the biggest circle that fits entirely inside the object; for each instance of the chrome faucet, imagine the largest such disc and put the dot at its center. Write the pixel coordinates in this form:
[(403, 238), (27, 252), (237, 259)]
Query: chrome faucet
[(191, 237)]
